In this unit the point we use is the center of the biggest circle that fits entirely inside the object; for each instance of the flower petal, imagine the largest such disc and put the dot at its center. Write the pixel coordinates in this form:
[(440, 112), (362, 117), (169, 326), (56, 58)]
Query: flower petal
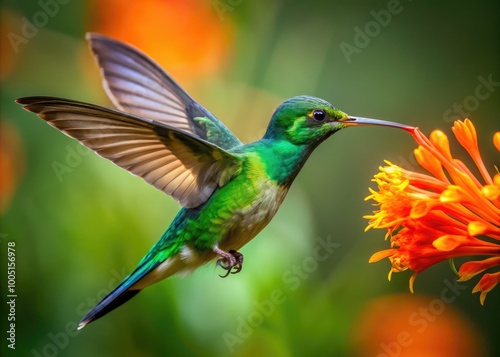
[(486, 284), (496, 140), (491, 192), (448, 242), (381, 255), (465, 132), (412, 282), (470, 269), (478, 228), (441, 142), (429, 162)]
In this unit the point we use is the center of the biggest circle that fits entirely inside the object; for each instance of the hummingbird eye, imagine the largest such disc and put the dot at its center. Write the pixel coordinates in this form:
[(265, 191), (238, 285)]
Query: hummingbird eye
[(319, 115)]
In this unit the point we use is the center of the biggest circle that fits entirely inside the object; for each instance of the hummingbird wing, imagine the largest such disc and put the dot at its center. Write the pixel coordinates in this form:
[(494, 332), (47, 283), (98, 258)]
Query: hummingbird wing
[(138, 85), (178, 163)]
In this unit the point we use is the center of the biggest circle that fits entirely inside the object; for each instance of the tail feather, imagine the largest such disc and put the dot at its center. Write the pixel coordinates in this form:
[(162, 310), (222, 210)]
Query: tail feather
[(108, 304), (120, 295)]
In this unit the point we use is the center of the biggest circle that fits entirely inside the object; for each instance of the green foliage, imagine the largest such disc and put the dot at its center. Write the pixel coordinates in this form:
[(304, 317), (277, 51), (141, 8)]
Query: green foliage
[(80, 230)]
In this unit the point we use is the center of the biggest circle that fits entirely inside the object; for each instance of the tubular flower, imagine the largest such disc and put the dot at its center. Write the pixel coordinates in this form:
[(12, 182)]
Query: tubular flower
[(444, 214)]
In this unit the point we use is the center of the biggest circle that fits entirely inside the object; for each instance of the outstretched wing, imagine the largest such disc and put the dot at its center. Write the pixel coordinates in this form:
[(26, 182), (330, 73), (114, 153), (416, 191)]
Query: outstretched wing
[(181, 165), (137, 85)]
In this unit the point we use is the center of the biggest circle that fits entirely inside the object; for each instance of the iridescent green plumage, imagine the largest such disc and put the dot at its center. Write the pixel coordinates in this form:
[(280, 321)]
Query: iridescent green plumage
[(229, 191)]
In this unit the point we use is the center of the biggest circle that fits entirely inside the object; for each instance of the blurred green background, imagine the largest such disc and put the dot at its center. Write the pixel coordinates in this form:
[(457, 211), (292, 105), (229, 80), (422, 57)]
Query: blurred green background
[(80, 224)]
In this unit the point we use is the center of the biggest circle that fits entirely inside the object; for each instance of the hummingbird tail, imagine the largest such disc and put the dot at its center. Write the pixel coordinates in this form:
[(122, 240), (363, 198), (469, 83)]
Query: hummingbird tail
[(109, 303), (120, 295)]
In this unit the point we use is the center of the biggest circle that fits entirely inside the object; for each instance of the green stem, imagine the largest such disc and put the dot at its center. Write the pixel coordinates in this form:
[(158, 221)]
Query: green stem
[(452, 266)]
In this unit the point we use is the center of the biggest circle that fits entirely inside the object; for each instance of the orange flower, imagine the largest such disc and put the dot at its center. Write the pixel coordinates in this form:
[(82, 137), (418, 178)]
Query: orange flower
[(447, 214), (186, 37), (12, 163)]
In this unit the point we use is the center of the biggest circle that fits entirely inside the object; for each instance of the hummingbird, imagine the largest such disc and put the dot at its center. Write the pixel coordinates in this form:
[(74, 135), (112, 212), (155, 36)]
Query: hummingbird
[(229, 191)]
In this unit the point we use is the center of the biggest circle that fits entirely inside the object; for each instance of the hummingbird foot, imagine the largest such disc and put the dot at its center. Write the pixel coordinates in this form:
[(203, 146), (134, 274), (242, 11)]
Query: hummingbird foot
[(231, 262)]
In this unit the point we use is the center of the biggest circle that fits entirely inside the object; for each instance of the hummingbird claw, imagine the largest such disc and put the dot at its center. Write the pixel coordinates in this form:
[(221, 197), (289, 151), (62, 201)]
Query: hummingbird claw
[(239, 261), (230, 260), (224, 264), (225, 275)]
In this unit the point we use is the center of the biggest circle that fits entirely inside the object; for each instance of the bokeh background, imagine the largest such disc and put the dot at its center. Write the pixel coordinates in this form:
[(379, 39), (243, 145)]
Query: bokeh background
[(80, 224)]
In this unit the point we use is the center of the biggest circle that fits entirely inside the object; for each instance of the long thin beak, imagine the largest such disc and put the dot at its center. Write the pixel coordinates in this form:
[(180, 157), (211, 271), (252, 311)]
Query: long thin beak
[(354, 121)]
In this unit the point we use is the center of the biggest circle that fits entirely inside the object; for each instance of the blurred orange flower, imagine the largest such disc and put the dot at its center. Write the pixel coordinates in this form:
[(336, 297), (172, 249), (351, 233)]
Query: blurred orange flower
[(9, 23), (186, 37), (12, 163), (445, 215), (413, 326)]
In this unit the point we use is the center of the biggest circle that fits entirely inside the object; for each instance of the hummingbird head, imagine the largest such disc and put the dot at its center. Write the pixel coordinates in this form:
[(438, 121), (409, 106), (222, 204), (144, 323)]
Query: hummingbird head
[(305, 120)]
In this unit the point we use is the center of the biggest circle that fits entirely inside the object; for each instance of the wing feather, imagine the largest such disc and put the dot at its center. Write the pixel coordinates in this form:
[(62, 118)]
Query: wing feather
[(137, 85), (171, 160)]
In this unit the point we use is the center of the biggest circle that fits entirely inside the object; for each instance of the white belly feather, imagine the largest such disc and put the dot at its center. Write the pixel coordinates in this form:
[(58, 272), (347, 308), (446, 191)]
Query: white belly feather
[(249, 221), (245, 224)]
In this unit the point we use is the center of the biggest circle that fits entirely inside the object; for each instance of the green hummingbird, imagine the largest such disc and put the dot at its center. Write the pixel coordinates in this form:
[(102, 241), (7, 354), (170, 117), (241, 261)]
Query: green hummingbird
[(229, 191)]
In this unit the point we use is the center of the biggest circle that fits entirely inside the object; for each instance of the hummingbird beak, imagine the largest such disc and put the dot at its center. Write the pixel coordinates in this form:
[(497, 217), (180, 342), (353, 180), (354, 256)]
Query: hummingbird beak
[(355, 121)]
